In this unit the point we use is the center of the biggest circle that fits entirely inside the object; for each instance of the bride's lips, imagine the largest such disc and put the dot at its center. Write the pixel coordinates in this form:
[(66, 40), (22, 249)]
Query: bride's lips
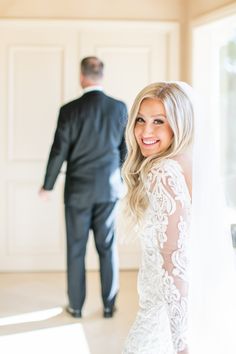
[(150, 142)]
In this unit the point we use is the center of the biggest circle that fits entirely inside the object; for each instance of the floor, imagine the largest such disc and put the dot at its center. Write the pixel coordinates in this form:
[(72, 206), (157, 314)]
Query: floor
[(33, 319)]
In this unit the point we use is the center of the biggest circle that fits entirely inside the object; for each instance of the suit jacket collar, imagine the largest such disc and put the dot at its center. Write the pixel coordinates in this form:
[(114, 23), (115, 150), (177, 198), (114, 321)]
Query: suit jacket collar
[(92, 88)]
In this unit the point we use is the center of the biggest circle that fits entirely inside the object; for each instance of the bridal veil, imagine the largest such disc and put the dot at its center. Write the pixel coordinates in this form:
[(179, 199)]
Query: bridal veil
[(212, 297)]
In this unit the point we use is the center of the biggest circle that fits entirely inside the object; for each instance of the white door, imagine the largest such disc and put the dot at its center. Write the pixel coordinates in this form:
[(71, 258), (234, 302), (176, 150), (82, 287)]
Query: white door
[(39, 72), (134, 56)]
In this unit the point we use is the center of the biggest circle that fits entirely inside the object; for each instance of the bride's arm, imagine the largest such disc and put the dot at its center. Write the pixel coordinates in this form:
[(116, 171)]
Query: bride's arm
[(173, 215), (173, 251)]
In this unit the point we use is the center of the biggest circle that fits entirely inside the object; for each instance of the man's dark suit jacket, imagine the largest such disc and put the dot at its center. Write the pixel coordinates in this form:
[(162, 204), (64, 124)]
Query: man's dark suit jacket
[(90, 137)]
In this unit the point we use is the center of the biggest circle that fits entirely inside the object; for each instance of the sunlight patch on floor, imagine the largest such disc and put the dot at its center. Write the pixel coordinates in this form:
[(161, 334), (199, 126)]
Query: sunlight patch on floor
[(31, 316), (58, 340)]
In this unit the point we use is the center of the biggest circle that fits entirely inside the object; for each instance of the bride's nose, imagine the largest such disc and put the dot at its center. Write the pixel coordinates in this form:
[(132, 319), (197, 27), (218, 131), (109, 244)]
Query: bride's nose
[(148, 129)]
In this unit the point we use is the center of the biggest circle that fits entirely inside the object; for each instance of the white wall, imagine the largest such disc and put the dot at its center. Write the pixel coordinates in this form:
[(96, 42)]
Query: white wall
[(94, 9), (201, 7)]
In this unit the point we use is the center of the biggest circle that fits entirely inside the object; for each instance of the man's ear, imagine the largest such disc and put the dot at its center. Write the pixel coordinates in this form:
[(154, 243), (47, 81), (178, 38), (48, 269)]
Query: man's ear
[(81, 79)]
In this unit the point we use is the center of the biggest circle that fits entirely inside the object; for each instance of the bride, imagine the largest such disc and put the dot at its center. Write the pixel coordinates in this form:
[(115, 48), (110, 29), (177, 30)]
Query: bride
[(185, 283)]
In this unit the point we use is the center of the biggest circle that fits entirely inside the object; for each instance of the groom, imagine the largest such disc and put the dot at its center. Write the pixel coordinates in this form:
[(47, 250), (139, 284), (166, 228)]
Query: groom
[(90, 137)]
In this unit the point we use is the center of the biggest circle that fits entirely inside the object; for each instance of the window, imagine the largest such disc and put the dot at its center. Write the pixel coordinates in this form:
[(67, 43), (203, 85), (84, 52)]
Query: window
[(214, 76)]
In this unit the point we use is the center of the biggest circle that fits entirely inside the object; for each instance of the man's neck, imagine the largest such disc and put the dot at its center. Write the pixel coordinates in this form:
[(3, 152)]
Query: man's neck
[(92, 88)]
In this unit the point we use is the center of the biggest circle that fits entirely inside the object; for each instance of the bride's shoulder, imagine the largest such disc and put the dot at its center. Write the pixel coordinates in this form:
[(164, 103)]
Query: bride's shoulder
[(177, 167), (184, 160), (185, 164), (161, 171), (181, 162), (166, 165)]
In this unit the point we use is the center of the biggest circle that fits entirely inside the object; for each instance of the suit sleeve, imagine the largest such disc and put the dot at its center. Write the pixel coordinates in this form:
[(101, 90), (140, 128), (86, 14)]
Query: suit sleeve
[(122, 147), (59, 150)]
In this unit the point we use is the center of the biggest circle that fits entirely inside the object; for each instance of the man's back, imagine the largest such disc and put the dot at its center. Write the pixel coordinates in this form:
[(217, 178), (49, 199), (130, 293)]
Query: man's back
[(90, 137), (97, 125)]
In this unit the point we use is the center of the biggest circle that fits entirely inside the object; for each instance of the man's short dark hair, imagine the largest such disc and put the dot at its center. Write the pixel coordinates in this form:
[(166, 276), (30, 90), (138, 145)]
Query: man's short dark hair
[(92, 68)]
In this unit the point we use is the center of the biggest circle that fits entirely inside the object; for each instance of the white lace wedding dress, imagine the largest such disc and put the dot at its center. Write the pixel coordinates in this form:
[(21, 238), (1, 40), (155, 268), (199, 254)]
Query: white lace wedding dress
[(161, 323)]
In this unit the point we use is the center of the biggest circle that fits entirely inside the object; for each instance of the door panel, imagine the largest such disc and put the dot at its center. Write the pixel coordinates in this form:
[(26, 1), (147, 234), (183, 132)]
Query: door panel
[(37, 65)]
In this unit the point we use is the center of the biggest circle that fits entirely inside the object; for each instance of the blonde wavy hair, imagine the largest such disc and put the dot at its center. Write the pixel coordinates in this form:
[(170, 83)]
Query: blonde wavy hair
[(179, 112)]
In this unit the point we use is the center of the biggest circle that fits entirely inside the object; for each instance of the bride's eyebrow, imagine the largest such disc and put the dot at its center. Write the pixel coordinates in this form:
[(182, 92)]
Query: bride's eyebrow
[(154, 116), (158, 115)]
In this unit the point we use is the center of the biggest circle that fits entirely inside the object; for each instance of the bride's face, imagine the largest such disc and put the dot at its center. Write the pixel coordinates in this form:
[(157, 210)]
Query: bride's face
[(152, 130)]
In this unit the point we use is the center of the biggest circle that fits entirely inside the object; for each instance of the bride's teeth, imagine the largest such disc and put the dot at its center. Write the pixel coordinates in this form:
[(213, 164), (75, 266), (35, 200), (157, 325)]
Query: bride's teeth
[(150, 141)]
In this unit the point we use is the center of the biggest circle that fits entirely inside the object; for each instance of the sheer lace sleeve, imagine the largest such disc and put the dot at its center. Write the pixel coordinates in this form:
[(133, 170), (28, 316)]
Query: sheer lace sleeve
[(169, 197)]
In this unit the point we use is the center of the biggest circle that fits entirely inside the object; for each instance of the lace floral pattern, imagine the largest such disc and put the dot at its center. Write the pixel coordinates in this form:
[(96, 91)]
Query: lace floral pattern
[(161, 322)]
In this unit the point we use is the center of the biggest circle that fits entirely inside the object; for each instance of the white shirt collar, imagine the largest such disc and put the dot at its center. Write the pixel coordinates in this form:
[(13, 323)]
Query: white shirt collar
[(92, 88)]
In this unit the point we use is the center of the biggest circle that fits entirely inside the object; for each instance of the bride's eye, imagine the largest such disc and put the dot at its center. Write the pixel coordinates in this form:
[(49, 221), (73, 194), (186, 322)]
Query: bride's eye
[(139, 120), (159, 121)]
